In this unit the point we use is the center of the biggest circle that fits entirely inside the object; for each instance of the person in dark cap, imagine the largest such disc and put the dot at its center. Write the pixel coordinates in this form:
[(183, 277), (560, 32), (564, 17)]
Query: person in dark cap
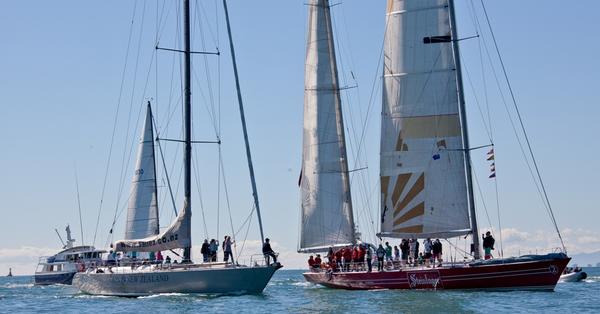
[(268, 252)]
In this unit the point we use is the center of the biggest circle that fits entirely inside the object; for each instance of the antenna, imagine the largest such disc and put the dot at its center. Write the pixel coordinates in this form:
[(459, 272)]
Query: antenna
[(61, 240), (79, 205)]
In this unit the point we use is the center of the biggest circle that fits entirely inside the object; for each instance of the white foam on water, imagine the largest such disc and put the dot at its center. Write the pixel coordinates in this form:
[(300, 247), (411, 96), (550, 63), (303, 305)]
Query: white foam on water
[(162, 295), (89, 296), (18, 285), (303, 284)]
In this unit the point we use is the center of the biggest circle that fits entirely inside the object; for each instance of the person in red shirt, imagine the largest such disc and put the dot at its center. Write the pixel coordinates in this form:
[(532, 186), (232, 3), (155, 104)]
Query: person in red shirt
[(318, 261), (338, 258), (333, 264), (311, 262), (361, 256), (347, 258), (354, 258)]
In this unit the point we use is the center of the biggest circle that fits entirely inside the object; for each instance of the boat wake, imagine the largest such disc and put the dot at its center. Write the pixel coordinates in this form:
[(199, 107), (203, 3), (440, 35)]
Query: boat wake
[(592, 279), (162, 295), (17, 285), (89, 296)]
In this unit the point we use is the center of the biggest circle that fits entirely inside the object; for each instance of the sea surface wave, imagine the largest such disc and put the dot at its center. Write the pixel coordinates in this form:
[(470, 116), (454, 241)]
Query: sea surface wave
[(289, 293)]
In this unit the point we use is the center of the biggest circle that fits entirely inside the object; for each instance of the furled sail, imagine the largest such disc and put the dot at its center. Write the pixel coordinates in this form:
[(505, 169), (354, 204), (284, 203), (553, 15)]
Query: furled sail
[(325, 190), (423, 178), (178, 235), (142, 210)]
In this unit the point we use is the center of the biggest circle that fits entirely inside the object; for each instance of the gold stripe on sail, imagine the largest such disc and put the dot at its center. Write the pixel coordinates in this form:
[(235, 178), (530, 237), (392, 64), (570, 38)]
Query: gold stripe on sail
[(417, 188), (401, 182), (410, 229), (385, 183), (416, 211)]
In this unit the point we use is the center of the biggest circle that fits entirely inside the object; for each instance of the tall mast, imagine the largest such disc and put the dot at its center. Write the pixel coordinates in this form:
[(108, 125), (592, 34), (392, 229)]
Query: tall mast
[(242, 116), (465, 135), (338, 112), (187, 98)]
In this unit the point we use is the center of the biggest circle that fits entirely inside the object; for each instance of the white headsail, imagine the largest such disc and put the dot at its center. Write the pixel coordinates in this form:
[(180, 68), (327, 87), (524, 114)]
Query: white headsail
[(142, 210), (423, 178), (142, 231), (326, 203)]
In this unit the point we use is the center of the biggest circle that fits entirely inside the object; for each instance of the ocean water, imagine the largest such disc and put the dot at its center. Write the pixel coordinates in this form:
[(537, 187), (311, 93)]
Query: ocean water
[(289, 293)]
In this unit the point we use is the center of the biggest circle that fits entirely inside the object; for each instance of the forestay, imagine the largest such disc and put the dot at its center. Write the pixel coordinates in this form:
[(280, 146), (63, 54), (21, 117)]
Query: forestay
[(142, 210), (325, 190), (423, 178)]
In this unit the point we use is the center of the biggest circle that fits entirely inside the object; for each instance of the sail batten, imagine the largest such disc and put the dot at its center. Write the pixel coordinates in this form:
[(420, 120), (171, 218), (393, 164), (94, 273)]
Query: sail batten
[(142, 209), (326, 207), (422, 163)]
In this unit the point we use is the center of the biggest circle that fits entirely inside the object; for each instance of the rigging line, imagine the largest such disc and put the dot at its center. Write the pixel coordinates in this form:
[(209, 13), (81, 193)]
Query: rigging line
[(162, 158), (479, 32), (112, 138), (482, 198), (209, 110), (485, 125), (226, 192), (498, 207), (132, 144), (203, 11), (248, 218), (523, 127), (199, 188), (162, 21), (513, 126), (79, 205), (247, 231), (207, 70), (124, 164)]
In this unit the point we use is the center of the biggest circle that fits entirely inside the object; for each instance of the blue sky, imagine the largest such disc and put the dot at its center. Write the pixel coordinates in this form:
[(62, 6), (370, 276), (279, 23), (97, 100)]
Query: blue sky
[(60, 75)]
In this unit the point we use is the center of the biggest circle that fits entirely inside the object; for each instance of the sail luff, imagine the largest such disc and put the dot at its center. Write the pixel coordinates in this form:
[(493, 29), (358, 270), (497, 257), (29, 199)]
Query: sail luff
[(326, 208), (422, 167)]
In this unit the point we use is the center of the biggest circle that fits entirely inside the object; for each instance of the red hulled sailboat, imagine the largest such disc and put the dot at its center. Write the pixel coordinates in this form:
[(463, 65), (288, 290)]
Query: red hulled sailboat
[(425, 169)]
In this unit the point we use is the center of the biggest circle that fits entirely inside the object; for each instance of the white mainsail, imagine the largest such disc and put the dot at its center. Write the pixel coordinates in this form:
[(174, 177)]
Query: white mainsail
[(325, 190), (142, 210), (423, 178)]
